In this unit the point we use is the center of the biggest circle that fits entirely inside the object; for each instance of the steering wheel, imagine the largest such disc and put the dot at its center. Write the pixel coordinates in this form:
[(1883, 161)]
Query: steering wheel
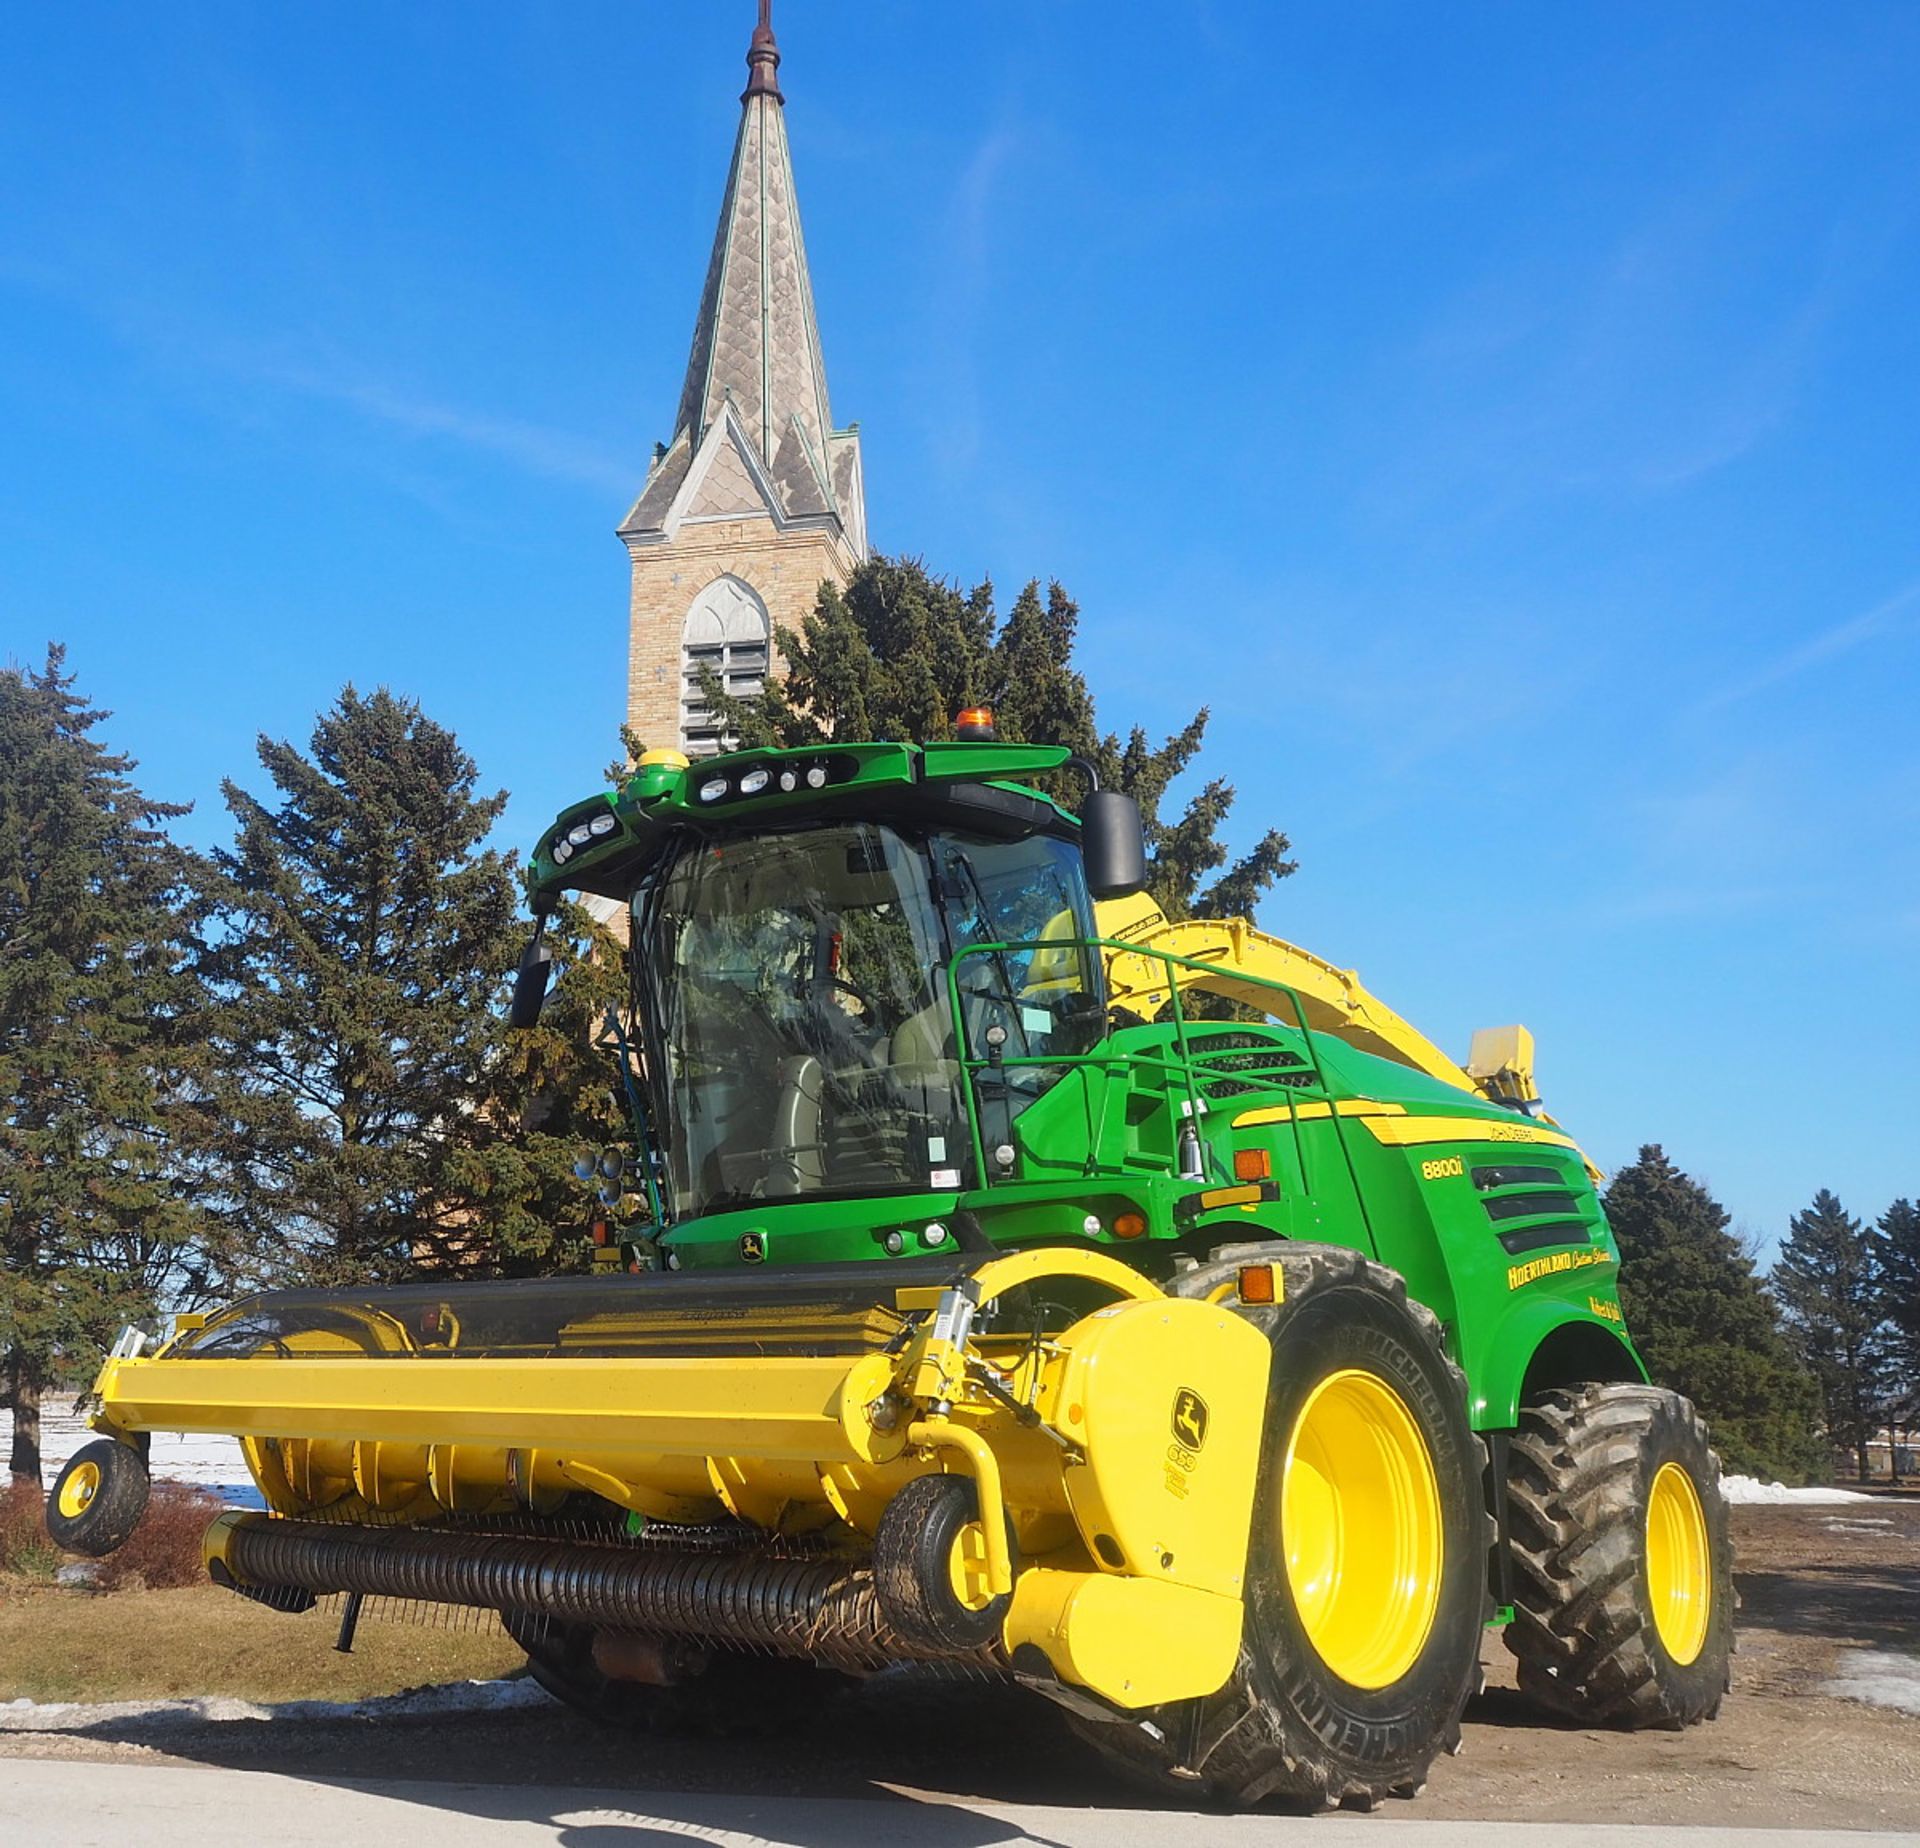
[(868, 1005)]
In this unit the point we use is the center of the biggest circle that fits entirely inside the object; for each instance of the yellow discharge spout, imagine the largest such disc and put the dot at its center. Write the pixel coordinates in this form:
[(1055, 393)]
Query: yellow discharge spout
[(1240, 959)]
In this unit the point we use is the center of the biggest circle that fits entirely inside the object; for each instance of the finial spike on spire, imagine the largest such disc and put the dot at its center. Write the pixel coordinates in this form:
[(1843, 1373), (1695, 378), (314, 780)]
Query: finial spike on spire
[(763, 59)]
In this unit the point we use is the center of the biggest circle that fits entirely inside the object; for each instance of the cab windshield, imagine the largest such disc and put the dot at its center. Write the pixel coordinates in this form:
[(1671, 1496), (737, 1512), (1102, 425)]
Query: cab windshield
[(800, 1032)]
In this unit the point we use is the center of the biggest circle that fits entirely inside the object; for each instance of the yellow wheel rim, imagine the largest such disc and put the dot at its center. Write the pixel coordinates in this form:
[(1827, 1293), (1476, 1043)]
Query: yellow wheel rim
[(967, 1568), (1360, 1529), (78, 1488), (1679, 1563)]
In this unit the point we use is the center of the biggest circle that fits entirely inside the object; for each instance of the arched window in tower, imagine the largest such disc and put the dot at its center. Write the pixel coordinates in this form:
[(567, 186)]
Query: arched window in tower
[(728, 631)]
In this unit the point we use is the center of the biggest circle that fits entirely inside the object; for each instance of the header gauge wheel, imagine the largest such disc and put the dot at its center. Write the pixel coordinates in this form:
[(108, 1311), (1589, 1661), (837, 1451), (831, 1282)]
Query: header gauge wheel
[(1623, 1570), (98, 1499)]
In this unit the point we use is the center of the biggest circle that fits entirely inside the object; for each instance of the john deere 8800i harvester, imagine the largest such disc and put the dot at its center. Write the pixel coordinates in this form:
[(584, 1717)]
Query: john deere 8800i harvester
[(1220, 1379)]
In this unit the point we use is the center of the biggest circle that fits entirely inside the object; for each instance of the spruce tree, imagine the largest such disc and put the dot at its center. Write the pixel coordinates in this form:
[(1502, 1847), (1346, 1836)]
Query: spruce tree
[(552, 1092), (103, 1109), (898, 652), (1705, 1325), (1900, 1306), (1828, 1280), (368, 935)]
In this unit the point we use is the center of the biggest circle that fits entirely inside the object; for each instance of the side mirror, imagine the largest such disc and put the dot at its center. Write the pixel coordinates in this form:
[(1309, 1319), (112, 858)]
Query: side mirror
[(1113, 844), (530, 987)]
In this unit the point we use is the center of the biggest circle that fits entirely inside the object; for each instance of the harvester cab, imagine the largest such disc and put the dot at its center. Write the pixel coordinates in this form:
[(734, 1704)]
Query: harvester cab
[(1133, 1308), (853, 971)]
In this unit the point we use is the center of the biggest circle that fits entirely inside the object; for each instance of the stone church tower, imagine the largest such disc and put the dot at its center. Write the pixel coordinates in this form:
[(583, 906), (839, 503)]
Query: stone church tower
[(757, 498)]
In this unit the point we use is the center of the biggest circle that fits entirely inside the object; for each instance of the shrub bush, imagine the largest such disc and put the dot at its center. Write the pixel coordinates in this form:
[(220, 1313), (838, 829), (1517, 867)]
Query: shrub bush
[(24, 1547), (164, 1550)]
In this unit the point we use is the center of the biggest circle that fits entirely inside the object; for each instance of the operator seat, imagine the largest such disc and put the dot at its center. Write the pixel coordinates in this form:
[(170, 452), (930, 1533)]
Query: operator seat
[(799, 1158)]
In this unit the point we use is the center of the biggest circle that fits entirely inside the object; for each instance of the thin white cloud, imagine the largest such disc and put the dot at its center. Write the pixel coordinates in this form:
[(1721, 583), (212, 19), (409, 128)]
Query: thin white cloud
[(1842, 638), (543, 451), (308, 366), (951, 388)]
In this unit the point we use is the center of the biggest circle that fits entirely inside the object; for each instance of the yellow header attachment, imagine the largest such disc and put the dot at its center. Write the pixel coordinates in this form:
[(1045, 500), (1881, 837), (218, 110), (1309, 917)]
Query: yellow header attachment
[(1112, 1460)]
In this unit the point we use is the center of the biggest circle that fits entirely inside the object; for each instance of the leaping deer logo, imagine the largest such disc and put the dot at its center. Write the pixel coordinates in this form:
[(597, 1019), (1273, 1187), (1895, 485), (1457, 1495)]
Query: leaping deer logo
[(1189, 1418)]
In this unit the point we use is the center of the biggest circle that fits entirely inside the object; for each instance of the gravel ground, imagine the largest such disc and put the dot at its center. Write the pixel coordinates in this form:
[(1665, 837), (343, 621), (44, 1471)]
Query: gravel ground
[(1818, 1587)]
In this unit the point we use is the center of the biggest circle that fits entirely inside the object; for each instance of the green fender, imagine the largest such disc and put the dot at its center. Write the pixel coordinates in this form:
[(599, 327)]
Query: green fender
[(1541, 1341)]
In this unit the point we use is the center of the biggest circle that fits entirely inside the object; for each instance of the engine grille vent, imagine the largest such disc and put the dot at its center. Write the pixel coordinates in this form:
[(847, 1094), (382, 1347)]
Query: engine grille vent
[(1247, 1052), (1535, 1205)]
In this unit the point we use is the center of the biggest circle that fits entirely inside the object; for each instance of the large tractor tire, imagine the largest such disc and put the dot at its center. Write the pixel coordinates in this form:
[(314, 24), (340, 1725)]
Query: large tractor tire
[(1623, 1569), (1367, 1568)]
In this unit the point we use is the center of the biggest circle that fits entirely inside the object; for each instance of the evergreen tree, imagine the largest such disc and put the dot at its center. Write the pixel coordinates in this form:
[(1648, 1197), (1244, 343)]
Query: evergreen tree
[(552, 1092), (102, 1080), (898, 652), (367, 939), (1706, 1326), (1828, 1280), (1900, 1305)]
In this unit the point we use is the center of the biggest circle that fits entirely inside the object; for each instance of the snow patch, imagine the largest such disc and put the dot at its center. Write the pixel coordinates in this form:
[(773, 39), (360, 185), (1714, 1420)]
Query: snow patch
[(465, 1697), (208, 1462), (1881, 1677), (1749, 1492)]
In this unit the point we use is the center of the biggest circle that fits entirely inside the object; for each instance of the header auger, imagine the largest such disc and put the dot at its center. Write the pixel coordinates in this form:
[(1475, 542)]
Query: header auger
[(983, 1300)]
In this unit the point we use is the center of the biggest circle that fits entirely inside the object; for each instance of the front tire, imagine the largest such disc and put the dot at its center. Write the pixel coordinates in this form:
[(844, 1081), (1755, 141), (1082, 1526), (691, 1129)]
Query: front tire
[(1367, 1568), (1623, 1567)]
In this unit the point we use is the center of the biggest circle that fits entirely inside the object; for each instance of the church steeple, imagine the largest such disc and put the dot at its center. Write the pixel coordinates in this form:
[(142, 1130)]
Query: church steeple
[(753, 444), (756, 342)]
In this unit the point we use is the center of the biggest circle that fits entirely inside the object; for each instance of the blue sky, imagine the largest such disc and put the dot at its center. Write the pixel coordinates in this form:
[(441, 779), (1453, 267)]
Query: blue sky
[(1506, 418)]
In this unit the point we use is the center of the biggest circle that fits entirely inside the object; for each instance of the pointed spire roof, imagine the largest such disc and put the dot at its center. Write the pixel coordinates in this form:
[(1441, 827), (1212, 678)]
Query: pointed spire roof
[(754, 434), (756, 343)]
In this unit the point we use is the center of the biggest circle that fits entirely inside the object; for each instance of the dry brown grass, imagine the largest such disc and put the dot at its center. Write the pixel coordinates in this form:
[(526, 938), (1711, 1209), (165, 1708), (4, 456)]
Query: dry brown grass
[(148, 1645)]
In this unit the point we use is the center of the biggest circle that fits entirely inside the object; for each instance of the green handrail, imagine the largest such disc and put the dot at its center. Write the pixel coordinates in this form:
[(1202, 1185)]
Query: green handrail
[(1184, 1064)]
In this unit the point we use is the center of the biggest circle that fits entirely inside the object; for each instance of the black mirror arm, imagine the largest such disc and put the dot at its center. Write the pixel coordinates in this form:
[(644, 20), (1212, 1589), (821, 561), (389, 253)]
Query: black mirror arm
[(530, 982)]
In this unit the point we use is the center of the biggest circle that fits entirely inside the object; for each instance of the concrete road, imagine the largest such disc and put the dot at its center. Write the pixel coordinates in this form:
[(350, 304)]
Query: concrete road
[(48, 1803)]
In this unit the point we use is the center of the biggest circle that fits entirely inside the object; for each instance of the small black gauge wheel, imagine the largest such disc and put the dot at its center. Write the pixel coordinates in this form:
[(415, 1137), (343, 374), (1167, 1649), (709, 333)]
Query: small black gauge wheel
[(98, 1499), (929, 1566)]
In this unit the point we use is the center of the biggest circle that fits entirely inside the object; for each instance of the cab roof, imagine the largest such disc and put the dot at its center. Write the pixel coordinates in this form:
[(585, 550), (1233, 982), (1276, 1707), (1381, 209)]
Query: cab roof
[(604, 844)]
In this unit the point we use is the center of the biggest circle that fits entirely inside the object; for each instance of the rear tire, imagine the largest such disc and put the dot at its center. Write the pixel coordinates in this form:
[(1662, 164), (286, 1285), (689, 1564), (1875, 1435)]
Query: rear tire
[(1623, 1567), (1353, 1671)]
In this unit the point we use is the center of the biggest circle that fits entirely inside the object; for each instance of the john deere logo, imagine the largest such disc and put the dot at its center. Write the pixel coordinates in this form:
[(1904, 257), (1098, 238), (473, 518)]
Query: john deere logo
[(1189, 1418), (753, 1247)]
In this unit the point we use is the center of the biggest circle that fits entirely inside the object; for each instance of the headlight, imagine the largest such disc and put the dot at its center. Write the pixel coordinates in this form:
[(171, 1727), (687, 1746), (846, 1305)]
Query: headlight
[(754, 781), (562, 853), (713, 789), (817, 776), (600, 824), (580, 834)]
